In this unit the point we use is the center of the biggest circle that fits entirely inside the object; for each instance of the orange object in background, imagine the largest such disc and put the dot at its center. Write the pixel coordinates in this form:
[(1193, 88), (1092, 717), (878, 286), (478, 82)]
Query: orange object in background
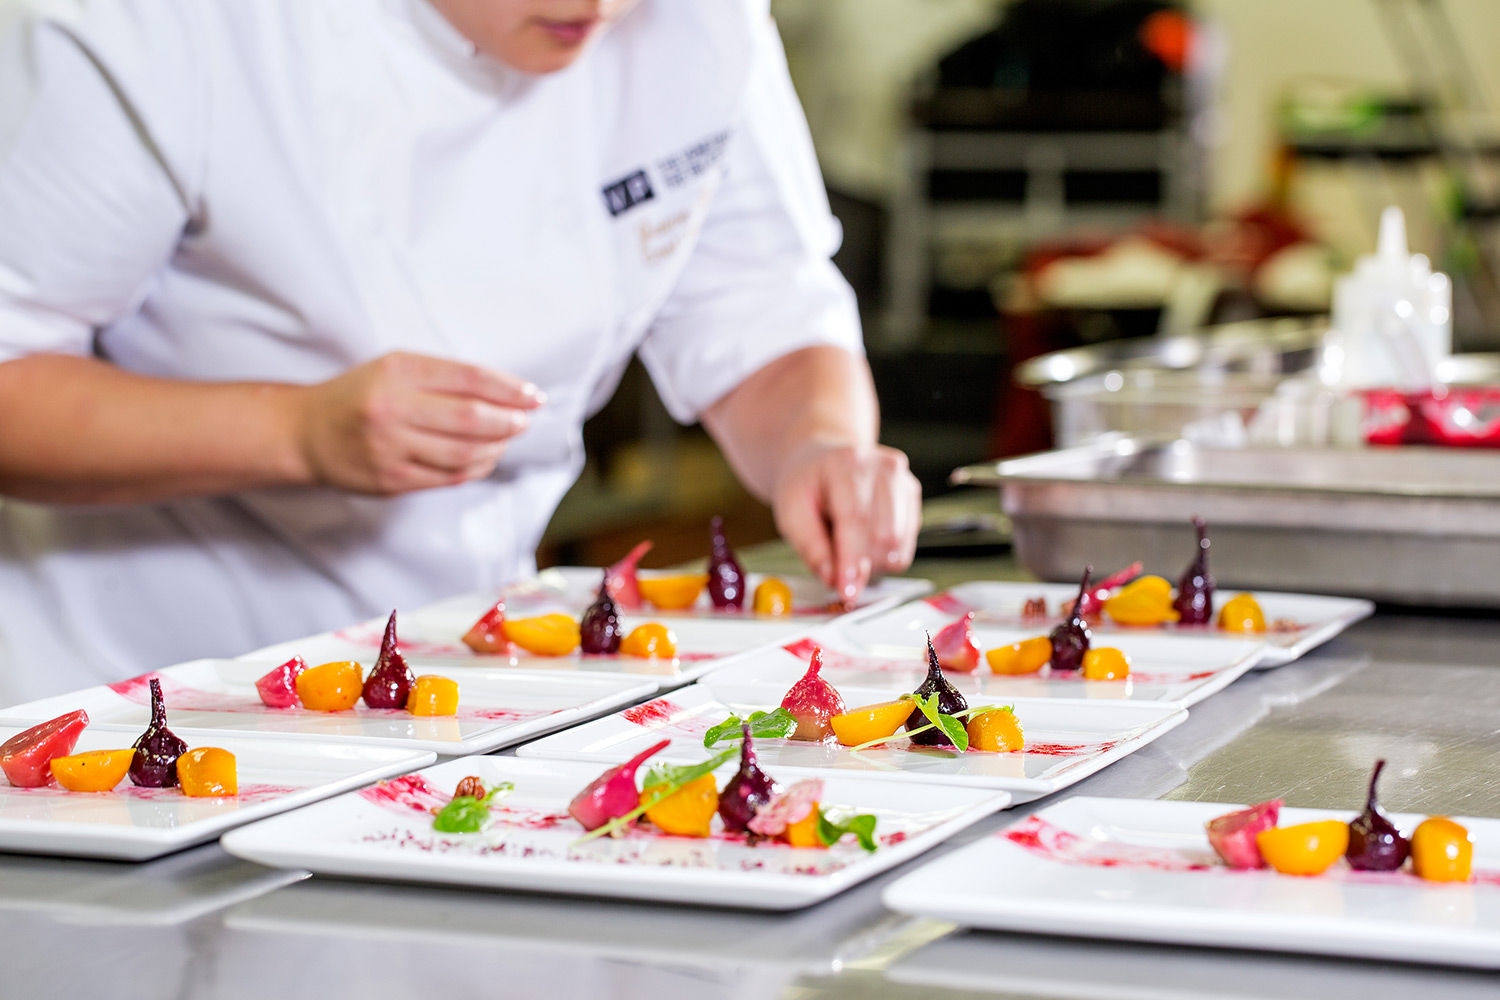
[(772, 597), (94, 771), (546, 635), (331, 687), (1441, 851), (432, 694), (673, 593), (1146, 600), (870, 722), (208, 772), (651, 641), (804, 832), (1242, 613), (1024, 657)]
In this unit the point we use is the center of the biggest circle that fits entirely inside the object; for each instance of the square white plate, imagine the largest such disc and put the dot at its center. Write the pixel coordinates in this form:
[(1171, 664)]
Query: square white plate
[(133, 823), (496, 707), (1067, 741), (1307, 620), (385, 832), (1143, 871), (890, 652), (433, 634)]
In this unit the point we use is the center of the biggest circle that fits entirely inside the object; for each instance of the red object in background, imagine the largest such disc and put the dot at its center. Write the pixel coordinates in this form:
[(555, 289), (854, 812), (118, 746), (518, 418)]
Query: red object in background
[(1455, 417), (1168, 35)]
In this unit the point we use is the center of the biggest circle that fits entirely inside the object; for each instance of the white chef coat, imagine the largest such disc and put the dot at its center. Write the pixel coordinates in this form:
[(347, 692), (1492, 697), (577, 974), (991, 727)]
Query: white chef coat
[(282, 189)]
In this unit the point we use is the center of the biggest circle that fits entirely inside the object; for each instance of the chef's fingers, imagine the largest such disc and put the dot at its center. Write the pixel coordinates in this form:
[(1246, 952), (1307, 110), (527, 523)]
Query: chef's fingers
[(451, 455), (896, 512), (461, 417), (460, 379), (848, 501), (800, 520)]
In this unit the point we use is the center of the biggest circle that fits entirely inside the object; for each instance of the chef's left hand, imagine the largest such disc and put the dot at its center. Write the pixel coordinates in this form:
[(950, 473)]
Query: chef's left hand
[(850, 512)]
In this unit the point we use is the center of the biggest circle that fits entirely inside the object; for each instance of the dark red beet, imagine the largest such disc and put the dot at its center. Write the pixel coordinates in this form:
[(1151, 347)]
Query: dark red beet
[(600, 630), (1195, 588), (389, 683), (1375, 845), (1071, 639), (748, 792), (726, 581), (950, 702), (157, 749)]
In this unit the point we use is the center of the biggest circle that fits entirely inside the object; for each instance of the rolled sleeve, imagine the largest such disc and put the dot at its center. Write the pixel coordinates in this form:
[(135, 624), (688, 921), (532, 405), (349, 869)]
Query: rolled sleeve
[(759, 283), (94, 195)]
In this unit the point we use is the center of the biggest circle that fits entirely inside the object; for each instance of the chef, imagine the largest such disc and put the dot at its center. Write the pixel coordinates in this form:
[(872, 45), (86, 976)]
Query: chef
[(303, 304)]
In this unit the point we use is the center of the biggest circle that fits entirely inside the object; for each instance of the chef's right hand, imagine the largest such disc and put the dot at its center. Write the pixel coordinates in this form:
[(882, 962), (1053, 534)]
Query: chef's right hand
[(408, 422)]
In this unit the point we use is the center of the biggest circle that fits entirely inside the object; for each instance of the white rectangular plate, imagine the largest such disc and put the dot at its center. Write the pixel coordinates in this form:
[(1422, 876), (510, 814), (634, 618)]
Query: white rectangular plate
[(1143, 871), (385, 832), (1067, 741), (1306, 621), (890, 652), (433, 634), (496, 707), (136, 823)]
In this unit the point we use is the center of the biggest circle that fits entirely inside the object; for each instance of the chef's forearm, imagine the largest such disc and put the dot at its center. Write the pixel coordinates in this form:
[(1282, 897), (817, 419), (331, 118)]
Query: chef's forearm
[(812, 398), (79, 430)]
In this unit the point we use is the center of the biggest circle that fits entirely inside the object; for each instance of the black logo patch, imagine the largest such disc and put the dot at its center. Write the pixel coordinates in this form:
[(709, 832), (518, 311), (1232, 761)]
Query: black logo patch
[(628, 192)]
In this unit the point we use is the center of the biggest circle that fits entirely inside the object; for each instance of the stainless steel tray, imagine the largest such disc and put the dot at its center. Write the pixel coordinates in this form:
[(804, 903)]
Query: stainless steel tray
[(1414, 525)]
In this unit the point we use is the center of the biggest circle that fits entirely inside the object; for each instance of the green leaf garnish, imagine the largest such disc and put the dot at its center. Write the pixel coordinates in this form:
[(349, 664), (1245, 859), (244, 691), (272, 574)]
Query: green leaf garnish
[(950, 726), (662, 781), (831, 831), (466, 813), (776, 724)]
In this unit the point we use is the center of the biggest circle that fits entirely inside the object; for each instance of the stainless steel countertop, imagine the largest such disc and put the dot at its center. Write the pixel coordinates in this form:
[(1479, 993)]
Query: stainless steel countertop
[(1423, 691)]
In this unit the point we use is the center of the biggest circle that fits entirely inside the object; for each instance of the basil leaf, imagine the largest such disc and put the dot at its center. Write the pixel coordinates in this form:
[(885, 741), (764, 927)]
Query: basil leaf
[(862, 826), (467, 814), (955, 731), (677, 775), (776, 724), (730, 726)]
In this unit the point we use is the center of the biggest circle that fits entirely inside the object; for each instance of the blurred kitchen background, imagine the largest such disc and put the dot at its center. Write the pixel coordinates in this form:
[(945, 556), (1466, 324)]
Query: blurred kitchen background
[(1015, 178)]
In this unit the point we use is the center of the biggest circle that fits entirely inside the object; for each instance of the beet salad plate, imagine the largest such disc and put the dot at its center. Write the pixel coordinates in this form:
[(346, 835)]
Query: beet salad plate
[(1296, 624), (134, 823), (1144, 871), (496, 708), (1065, 741), (528, 841)]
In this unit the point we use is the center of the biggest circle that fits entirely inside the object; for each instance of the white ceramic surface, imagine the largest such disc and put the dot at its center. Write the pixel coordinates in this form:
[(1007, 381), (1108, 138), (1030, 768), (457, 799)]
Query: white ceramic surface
[(136, 823), (890, 652), (496, 707), (1143, 871), (386, 833), (1069, 741), (1309, 620)]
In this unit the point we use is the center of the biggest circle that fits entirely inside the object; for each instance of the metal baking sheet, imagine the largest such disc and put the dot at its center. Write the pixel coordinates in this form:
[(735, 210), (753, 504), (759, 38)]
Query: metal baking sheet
[(1409, 525)]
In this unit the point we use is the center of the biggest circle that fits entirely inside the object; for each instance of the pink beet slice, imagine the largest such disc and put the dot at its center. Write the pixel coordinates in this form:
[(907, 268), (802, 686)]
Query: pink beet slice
[(812, 702), (1233, 834), (390, 681), (26, 757), (278, 687), (956, 649), (613, 793), (623, 583)]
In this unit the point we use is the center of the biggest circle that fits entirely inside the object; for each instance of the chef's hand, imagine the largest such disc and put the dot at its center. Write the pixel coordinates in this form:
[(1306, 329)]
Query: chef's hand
[(849, 511), (408, 422)]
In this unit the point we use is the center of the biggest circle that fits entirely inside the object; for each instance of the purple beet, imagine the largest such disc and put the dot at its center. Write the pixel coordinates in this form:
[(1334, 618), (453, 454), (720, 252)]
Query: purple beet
[(157, 749), (726, 581), (1195, 588), (600, 630), (748, 792), (389, 683), (950, 702), (1375, 845), (1071, 639)]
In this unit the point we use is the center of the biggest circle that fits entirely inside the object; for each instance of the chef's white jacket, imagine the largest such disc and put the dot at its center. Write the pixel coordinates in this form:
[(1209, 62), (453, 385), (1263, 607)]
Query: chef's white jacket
[(281, 189)]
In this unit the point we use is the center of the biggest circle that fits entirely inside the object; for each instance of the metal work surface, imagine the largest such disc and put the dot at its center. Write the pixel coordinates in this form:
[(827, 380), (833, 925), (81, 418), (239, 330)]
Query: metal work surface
[(1412, 525), (1423, 691)]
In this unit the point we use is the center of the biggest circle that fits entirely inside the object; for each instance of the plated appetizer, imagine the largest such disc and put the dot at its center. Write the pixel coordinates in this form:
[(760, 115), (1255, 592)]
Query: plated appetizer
[(43, 756), (599, 632), (340, 685)]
